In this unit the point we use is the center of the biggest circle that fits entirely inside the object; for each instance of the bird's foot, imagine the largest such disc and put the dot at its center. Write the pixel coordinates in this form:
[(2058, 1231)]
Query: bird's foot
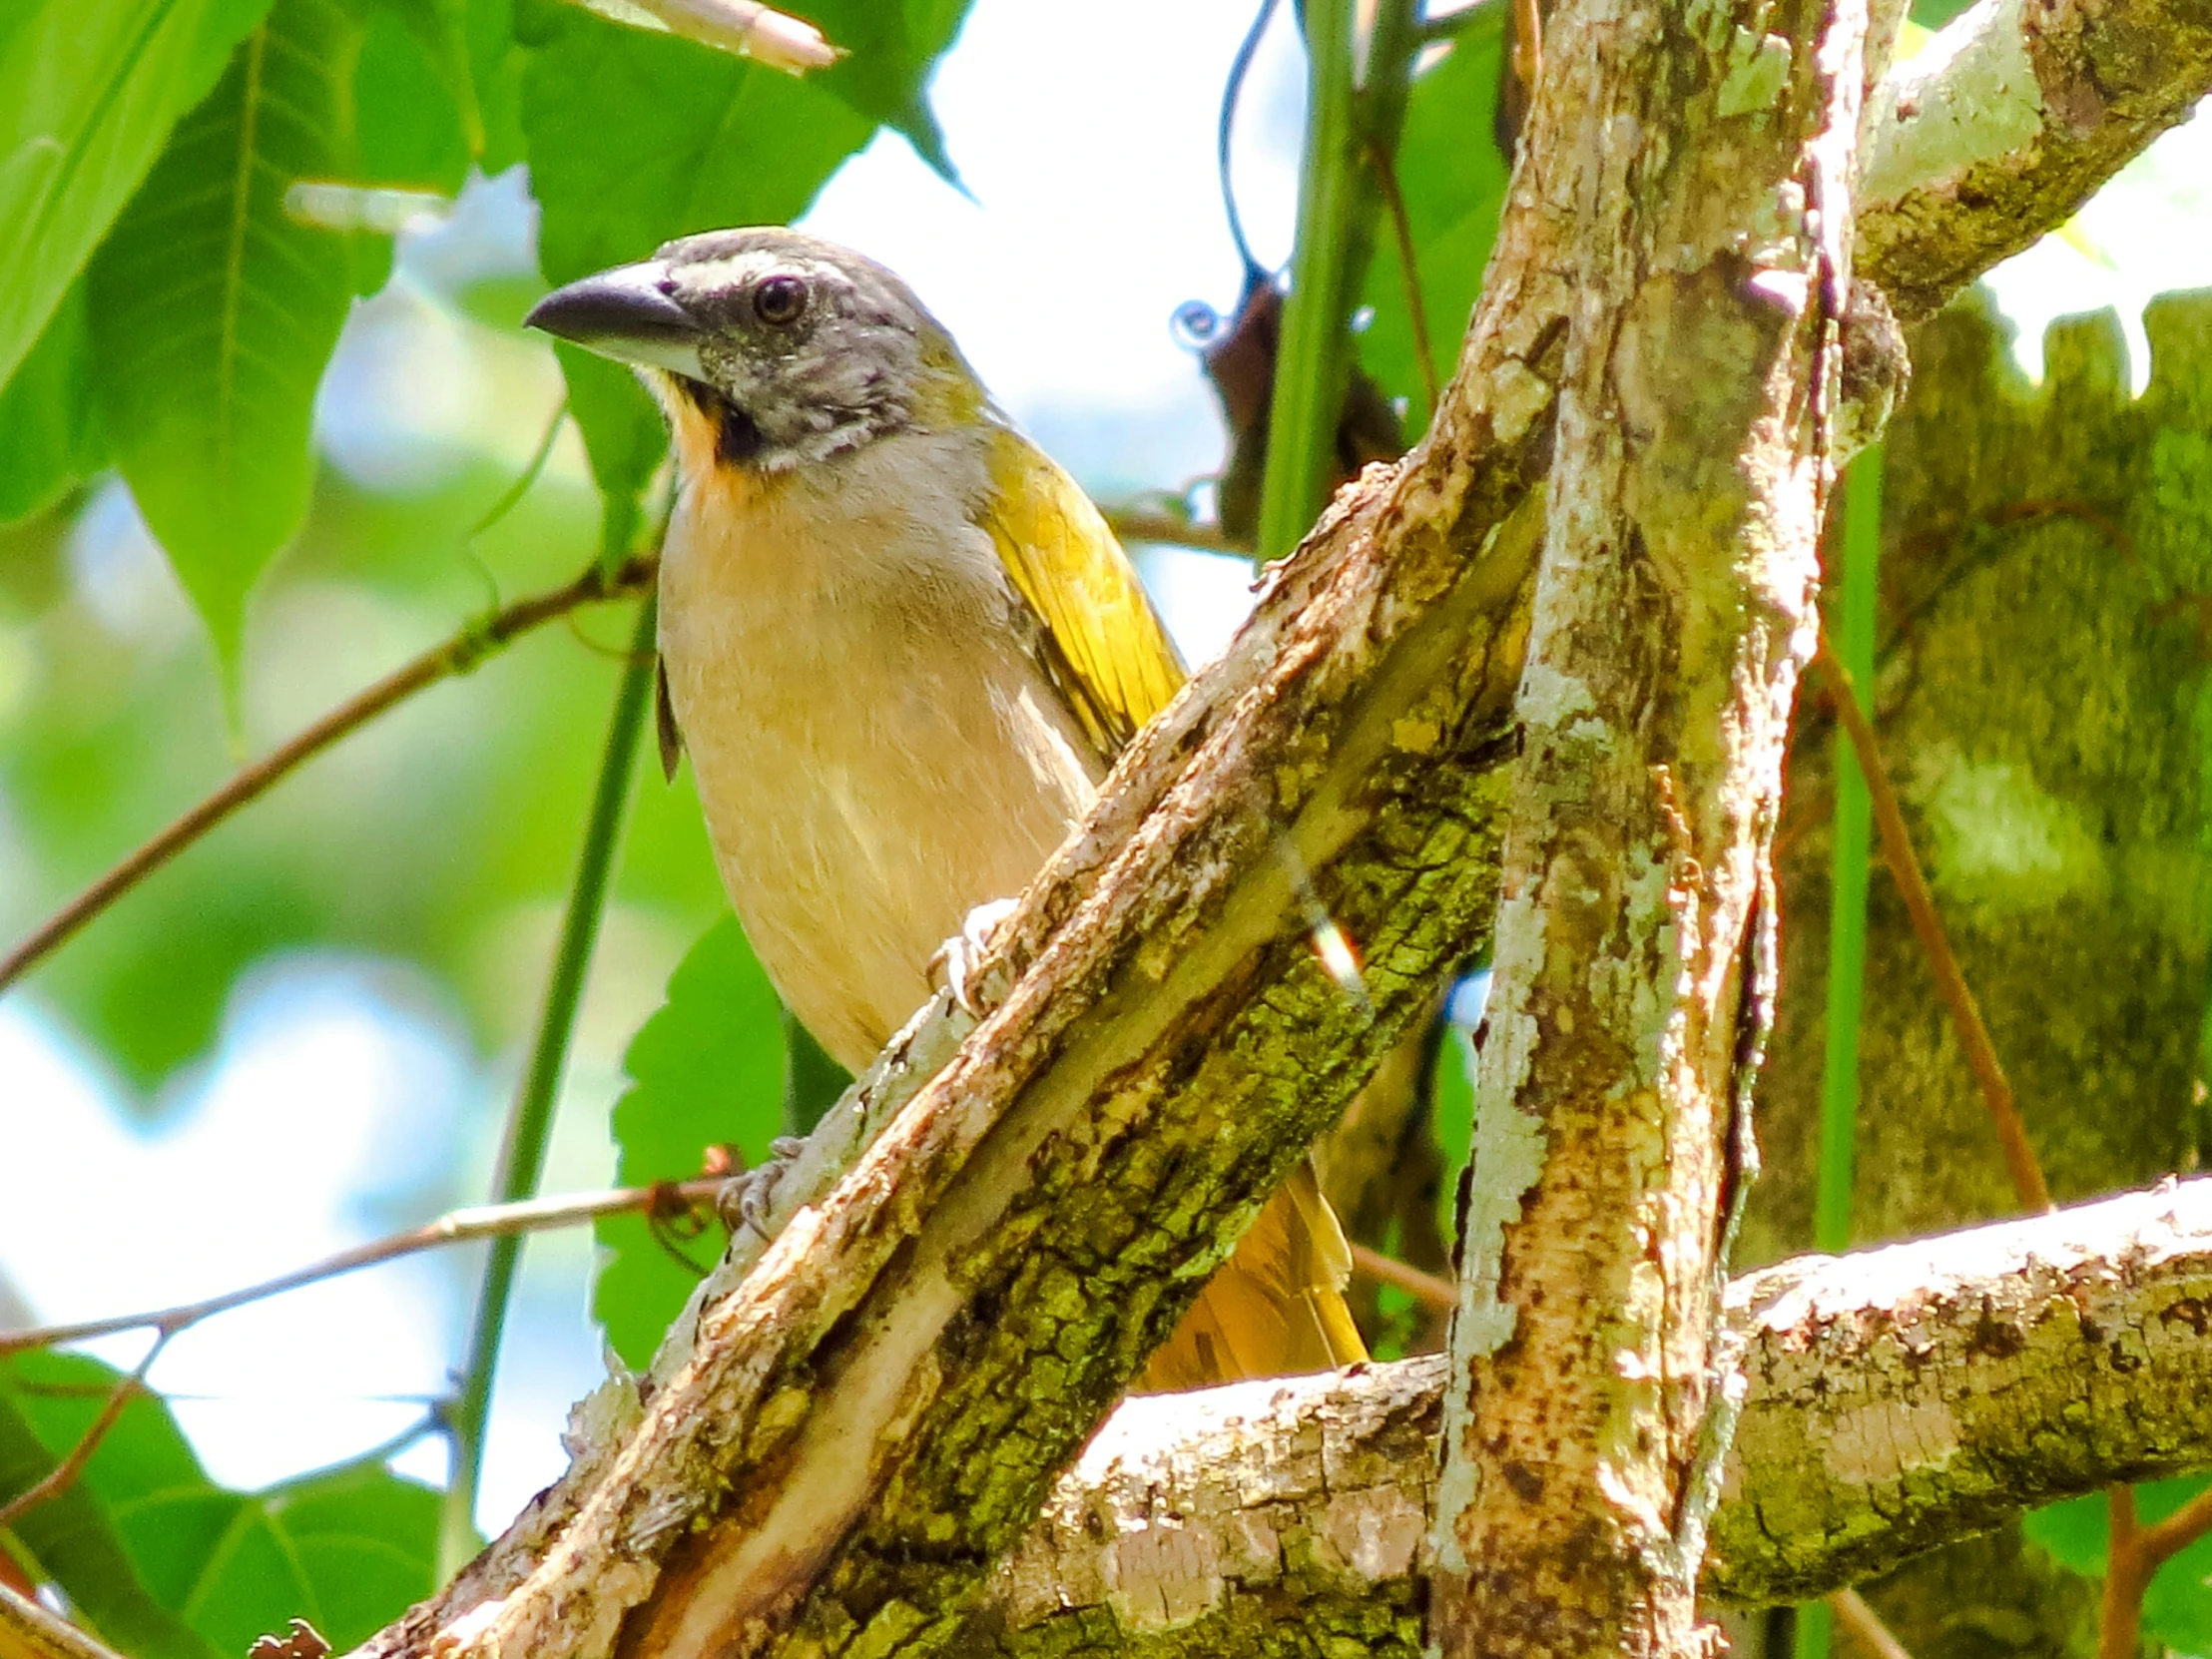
[(962, 956), (745, 1197)]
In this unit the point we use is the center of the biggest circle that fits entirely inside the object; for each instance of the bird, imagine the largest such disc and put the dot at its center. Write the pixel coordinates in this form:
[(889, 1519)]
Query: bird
[(902, 648)]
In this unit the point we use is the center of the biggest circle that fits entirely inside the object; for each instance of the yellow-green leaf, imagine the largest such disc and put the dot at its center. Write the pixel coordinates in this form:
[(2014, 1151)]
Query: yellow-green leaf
[(213, 311)]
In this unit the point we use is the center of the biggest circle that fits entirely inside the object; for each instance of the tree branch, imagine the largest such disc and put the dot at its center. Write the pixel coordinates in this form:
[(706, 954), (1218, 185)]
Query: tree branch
[(483, 1220), (29, 1631), (840, 1440), (1942, 1387), (2007, 122), (1589, 1399)]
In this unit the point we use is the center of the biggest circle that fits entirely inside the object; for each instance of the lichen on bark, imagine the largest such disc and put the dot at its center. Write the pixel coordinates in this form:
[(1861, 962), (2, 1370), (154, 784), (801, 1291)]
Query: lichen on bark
[(2040, 705)]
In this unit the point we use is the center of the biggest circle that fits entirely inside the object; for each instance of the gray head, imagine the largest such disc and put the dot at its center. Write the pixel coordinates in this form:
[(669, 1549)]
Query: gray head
[(784, 348)]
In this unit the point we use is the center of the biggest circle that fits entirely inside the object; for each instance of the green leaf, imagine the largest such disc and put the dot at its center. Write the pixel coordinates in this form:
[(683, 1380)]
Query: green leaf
[(409, 114), (166, 1562), (1454, 181), (2177, 1608), (47, 1401), (439, 30), (2071, 1534), (496, 62), (707, 1069), (214, 312), (812, 1082), (49, 432), (348, 1550), (1934, 14), (891, 49), (414, 114), (89, 90)]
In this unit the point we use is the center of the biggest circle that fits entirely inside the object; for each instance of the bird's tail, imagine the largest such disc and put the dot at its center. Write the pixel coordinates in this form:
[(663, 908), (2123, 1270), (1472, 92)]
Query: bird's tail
[(1274, 1309)]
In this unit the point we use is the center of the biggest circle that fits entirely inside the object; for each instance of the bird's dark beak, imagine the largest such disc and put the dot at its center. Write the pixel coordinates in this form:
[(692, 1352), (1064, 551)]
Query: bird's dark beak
[(626, 314)]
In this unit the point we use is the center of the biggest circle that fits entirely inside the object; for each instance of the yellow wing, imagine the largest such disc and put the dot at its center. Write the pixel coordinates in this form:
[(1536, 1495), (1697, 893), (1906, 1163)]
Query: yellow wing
[(1276, 1308), (1277, 1304), (1114, 662)]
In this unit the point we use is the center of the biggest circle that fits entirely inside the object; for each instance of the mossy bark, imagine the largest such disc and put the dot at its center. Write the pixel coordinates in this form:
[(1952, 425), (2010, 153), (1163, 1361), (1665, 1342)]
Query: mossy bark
[(2041, 706), (1890, 1400), (1152, 952)]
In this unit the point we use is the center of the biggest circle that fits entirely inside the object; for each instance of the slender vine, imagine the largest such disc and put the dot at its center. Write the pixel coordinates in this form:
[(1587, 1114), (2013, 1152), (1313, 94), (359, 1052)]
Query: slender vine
[(1352, 129), (1849, 869), (1309, 363)]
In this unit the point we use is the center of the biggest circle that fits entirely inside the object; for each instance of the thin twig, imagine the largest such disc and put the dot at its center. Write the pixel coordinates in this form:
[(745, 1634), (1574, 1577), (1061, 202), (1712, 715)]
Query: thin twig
[(2133, 1555), (1853, 1613), (456, 656), (1905, 867), (481, 1221), (1138, 525), (29, 1631), (744, 28), (2127, 1574), (1416, 309), (1425, 1287), (511, 497), (2169, 1537), (1528, 46), (63, 1474)]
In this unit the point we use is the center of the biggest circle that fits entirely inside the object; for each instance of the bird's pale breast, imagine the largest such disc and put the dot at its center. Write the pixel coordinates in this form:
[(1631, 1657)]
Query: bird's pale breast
[(874, 746)]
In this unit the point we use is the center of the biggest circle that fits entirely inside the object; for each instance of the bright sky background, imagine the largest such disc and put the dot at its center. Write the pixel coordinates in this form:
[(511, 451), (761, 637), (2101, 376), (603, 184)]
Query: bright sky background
[(336, 1086)]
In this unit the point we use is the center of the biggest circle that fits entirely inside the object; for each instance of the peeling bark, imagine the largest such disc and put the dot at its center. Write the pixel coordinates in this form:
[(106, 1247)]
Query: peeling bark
[(1896, 1399), (841, 1440), (1694, 174)]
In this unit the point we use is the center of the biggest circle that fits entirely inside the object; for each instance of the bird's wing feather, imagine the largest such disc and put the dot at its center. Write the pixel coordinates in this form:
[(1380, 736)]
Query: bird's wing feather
[(1277, 1307), (1115, 664)]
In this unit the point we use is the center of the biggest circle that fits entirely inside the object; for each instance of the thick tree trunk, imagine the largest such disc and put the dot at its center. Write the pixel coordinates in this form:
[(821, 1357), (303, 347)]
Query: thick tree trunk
[(1693, 183), (860, 1418)]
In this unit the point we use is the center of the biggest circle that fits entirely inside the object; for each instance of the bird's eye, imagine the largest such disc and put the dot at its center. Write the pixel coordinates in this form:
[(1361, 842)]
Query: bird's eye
[(779, 300)]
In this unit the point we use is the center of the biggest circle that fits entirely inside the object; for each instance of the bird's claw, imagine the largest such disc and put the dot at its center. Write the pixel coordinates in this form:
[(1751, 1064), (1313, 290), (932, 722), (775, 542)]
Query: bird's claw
[(961, 957), (745, 1197)]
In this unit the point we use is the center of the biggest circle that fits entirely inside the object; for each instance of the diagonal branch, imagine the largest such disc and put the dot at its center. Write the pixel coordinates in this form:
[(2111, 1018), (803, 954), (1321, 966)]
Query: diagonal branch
[(480, 1221), (841, 1440), (2007, 122)]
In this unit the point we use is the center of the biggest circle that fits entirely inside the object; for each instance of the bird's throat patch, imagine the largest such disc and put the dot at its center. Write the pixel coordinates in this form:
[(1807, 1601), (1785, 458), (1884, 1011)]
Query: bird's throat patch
[(738, 437)]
